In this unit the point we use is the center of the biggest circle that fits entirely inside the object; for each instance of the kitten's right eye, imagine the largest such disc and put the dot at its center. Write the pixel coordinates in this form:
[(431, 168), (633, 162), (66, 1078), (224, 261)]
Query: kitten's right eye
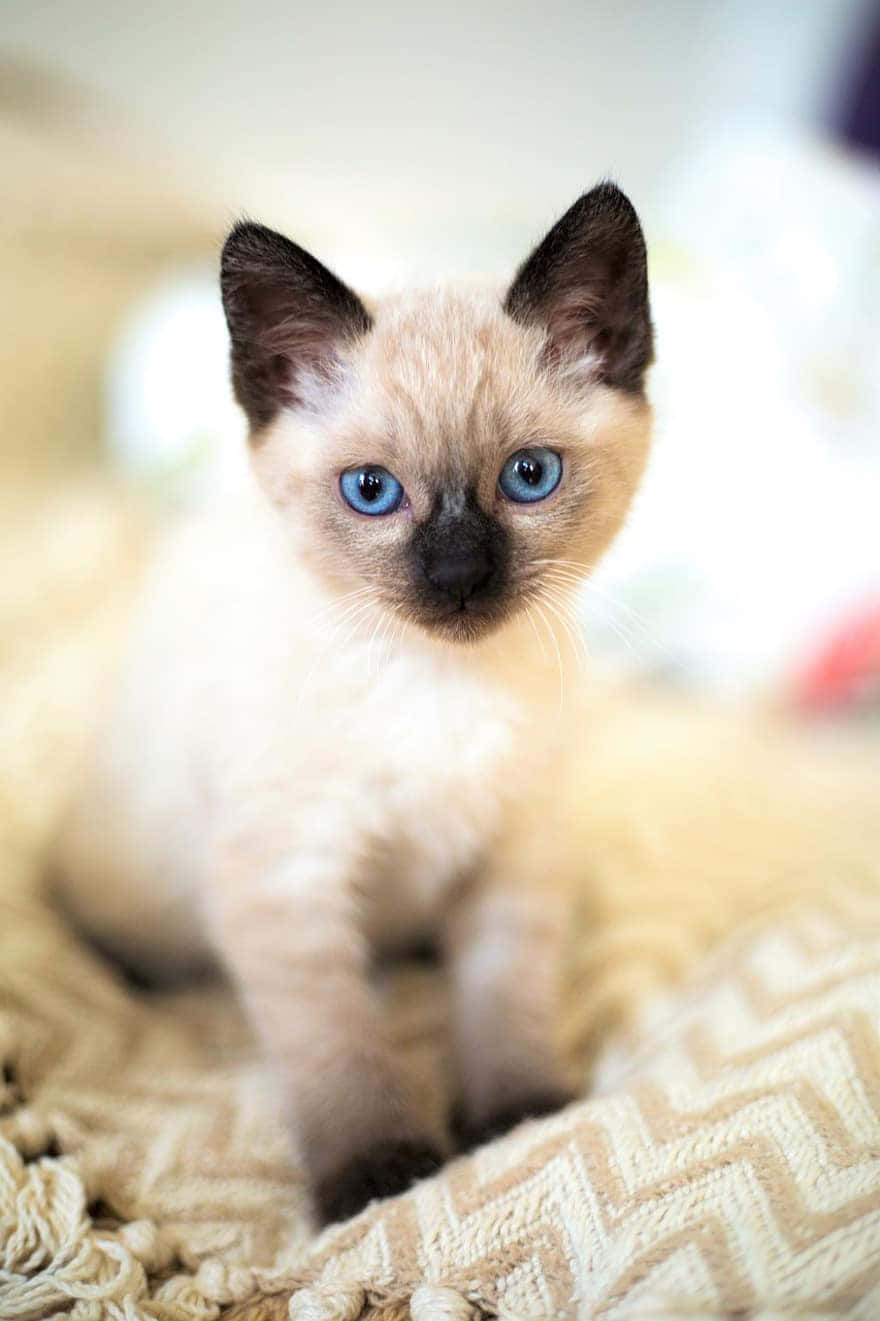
[(371, 490)]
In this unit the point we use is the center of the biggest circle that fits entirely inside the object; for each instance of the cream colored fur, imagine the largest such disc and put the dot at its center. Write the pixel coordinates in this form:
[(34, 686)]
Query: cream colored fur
[(294, 773)]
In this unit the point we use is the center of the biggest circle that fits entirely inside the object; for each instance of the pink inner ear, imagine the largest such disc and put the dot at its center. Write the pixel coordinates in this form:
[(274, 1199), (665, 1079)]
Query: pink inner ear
[(300, 336), (314, 387), (306, 364), (574, 334)]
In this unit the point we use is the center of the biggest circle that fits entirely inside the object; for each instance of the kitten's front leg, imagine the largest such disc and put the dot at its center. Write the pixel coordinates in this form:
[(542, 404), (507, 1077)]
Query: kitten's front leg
[(506, 948), (293, 945)]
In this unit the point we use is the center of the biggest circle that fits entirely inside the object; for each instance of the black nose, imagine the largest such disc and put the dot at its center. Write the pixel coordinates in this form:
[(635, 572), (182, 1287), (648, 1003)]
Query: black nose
[(460, 575)]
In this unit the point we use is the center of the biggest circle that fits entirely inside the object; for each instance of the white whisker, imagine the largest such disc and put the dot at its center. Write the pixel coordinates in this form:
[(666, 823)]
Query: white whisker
[(349, 620), (574, 574), (534, 629), (636, 621), (555, 642), (563, 612), (330, 607), (378, 630)]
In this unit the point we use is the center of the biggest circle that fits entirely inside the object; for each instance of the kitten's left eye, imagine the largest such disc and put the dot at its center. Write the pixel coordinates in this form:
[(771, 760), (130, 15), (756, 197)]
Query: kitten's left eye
[(371, 490), (530, 475)]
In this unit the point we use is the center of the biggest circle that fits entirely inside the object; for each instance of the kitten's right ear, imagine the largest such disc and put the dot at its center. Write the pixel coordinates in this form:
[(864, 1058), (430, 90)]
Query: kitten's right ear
[(586, 286), (288, 316)]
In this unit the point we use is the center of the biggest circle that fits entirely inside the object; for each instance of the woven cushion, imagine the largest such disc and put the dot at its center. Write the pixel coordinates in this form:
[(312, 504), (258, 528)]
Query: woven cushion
[(730, 1162), (726, 1163)]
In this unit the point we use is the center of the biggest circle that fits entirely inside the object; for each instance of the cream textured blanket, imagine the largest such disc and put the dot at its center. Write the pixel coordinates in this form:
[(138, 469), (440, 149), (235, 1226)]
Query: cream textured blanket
[(726, 1163)]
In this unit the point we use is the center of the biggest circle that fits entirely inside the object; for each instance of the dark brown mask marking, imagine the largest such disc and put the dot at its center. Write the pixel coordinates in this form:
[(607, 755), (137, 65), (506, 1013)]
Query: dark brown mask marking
[(460, 555)]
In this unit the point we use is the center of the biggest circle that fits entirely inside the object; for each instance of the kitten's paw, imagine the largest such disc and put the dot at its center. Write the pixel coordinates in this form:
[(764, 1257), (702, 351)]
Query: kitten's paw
[(391, 1167), (469, 1133)]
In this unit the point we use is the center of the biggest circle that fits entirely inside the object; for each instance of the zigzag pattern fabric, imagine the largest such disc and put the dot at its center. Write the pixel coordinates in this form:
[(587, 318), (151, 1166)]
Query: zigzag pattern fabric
[(730, 1164)]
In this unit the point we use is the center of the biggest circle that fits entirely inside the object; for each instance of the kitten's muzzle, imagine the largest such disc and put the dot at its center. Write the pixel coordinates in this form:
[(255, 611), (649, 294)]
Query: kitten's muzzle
[(459, 558)]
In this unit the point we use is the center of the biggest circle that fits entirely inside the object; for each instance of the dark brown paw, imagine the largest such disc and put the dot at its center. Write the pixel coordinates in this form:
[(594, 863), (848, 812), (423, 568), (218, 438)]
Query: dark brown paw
[(391, 1167), (469, 1133)]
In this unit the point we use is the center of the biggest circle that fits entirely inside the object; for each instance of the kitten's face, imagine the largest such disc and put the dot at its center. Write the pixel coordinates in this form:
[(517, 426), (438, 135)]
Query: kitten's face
[(454, 458), (446, 470)]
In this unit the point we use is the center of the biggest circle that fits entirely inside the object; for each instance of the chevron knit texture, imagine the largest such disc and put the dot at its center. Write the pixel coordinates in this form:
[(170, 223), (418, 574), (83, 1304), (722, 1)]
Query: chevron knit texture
[(725, 1165)]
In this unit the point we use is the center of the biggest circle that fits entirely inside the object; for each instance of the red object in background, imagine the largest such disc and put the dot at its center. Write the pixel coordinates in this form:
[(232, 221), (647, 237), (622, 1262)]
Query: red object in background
[(845, 671)]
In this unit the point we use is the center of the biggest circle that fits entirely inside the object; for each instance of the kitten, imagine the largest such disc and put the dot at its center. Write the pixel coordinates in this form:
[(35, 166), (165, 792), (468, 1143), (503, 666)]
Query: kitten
[(339, 727)]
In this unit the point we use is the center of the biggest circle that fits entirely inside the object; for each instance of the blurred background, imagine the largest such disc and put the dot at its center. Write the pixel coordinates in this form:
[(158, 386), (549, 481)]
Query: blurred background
[(404, 142)]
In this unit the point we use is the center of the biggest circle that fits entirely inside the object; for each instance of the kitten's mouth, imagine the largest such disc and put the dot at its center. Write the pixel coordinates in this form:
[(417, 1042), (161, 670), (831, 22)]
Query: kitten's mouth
[(468, 621)]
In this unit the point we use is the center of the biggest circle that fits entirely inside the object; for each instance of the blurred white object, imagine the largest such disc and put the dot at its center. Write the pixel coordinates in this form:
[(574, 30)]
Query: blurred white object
[(170, 415), (758, 521)]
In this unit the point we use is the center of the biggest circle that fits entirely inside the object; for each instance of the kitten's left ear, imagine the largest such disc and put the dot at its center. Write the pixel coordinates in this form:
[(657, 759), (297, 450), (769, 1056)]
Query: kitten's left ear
[(586, 284)]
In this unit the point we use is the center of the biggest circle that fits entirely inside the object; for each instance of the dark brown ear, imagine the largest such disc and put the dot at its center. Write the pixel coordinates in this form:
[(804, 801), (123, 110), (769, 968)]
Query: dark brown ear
[(587, 285), (287, 316)]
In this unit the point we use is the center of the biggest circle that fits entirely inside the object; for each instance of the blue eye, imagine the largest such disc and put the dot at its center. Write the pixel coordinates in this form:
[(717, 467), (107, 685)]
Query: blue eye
[(530, 475), (371, 490)]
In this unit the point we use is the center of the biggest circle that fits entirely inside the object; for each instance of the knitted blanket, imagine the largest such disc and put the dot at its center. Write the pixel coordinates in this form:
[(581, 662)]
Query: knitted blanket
[(725, 1159)]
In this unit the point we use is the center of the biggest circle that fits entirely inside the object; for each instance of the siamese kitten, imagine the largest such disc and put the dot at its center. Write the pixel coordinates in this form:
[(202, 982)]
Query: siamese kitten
[(339, 728)]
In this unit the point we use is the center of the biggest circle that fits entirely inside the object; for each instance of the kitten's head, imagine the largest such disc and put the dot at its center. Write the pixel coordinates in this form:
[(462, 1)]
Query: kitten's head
[(456, 453)]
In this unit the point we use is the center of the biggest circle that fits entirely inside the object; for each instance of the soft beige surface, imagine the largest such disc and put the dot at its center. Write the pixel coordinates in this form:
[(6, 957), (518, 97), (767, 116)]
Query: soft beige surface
[(91, 220), (727, 1165)]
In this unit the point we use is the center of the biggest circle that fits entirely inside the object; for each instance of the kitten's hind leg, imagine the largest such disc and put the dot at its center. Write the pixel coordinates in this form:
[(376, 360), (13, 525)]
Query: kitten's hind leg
[(505, 947)]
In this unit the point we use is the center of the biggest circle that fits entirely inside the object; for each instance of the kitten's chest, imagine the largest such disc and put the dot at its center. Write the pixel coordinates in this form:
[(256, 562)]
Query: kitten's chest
[(436, 775)]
